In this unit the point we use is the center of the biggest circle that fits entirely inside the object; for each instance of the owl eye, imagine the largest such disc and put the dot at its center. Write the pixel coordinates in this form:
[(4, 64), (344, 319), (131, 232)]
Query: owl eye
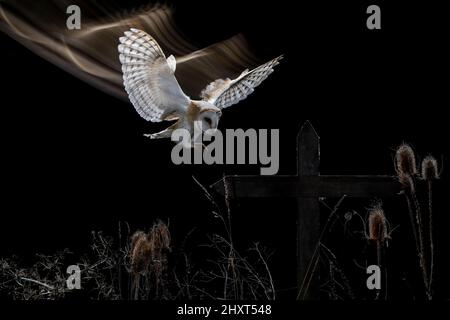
[(208, 121)]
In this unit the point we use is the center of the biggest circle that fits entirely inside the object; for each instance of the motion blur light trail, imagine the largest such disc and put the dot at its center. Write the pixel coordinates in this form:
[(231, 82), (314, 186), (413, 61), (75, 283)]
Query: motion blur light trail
[(91, 52)]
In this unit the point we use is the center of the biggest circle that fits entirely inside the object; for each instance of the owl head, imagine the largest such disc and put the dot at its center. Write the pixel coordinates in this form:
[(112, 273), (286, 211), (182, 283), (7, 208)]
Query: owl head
[(209, 115)]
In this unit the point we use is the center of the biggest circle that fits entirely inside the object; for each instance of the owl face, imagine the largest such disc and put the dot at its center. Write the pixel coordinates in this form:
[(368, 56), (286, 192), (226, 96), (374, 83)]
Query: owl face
[(209, 116), (209, 119)]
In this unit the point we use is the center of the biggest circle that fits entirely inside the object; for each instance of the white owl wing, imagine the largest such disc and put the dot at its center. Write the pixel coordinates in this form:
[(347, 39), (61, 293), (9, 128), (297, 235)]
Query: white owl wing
[(149, 78), (224, 93)]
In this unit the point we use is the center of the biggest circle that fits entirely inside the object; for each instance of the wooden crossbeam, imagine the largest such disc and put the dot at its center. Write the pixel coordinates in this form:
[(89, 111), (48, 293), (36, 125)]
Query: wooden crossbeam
[(329, 186)]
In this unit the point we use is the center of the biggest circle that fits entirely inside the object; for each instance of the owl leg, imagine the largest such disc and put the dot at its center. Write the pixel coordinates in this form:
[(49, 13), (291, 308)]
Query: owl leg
[(160, 135), (167, 133)]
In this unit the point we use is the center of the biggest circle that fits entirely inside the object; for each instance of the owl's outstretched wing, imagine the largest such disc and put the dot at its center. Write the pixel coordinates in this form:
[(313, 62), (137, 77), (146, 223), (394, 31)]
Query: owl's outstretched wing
[(224, 93), (149, 78)]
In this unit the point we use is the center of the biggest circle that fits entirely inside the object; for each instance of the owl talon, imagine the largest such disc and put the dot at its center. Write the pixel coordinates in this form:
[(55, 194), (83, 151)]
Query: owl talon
[(152, 136)]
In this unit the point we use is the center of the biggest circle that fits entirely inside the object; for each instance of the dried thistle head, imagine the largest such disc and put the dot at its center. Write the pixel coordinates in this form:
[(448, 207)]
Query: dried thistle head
[(140, 253), (378, 226), (430, 169), (406, 166)]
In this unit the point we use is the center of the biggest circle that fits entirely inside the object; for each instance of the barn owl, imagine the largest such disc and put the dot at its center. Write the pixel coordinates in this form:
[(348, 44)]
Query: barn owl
[(149, 79)]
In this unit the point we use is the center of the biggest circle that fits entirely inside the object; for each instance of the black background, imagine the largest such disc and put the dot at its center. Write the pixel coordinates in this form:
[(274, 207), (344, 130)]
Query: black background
[(74, 159)]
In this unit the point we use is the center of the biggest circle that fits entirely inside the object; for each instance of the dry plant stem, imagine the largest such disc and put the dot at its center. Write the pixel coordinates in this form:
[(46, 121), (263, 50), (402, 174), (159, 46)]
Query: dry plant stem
[(379, 253), (420, 228), (135, 287), (255, 274), (330, 255), (423, 264), (231, 255), (378, 242), (412, 220), (38, 282), (267, 270), (430, 212), (381, 260), (316, 262), (315, 257), (407, 171), (119, 266), (385, 275), (414, 213), (230, 270)]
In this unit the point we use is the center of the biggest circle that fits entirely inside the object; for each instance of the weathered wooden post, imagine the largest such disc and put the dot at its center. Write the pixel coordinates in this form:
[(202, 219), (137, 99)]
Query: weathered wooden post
[(307, 186), (308, 214)]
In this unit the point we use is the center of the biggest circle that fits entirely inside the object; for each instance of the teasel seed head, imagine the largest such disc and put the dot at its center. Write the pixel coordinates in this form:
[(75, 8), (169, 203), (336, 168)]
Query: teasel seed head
[(406, 165), (163, 234), (147, 249), (135, 237), (430, 169), (140, 253), (159, 237), (378, 227)]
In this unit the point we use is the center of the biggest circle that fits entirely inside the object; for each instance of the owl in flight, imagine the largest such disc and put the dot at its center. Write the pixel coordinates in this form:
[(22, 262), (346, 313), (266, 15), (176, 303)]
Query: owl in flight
[(153, 90)]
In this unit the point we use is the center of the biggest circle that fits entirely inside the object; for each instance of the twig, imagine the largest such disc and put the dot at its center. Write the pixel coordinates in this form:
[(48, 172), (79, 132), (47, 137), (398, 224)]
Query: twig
[(38, 282), (267, 270), (313, 263)]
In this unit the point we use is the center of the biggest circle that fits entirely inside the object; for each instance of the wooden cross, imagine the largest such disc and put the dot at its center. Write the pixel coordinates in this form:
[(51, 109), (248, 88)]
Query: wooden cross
[(307, 186)]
